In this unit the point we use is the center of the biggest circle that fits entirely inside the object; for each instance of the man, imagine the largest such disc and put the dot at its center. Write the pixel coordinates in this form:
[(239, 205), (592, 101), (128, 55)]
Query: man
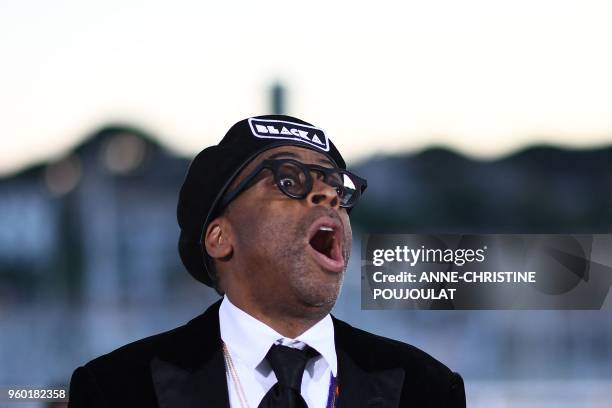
[(264, 220)]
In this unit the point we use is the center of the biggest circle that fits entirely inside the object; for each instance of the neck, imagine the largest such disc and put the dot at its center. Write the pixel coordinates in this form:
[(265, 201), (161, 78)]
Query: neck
[(287, 321)]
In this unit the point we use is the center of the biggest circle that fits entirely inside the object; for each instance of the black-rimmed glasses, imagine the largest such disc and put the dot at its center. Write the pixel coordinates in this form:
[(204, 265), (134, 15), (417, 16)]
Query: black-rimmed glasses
[(295, 180)]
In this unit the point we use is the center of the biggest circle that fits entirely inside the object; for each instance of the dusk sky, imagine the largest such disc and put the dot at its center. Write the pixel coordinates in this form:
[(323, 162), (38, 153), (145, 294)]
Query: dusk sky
[(484, 77)]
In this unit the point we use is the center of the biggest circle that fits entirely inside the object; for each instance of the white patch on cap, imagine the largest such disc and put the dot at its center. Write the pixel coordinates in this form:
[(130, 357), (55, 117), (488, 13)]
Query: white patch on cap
[(280, 129)]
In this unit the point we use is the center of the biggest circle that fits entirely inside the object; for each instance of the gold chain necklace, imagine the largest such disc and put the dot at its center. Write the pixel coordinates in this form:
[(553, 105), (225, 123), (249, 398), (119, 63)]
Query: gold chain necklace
[(229, 365)]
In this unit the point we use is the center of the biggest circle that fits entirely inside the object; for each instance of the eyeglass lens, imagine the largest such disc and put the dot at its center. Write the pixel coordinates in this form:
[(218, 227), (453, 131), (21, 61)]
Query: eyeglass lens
[(294, 181)]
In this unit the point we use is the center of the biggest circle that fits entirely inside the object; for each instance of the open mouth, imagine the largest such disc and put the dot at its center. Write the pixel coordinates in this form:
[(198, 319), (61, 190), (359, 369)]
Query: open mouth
[(326, 245), (323, 241)]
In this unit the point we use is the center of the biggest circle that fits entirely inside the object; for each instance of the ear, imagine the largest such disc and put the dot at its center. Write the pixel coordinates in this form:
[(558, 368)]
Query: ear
[(217, 240)]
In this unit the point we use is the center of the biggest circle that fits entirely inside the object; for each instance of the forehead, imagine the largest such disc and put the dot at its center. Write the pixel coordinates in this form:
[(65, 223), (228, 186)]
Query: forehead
[(301, 154)]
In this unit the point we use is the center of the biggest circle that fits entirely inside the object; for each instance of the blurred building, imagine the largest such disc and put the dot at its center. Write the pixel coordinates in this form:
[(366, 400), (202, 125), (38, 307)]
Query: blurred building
[(97, 224), (89, 260)]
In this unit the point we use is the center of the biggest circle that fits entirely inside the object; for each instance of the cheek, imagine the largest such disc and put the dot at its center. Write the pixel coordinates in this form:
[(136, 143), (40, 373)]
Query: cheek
[(348, 236), (348, 231), (260, 230)]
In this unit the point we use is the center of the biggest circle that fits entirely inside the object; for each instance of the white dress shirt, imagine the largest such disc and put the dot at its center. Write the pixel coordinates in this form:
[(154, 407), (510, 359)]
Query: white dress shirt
[(248, 341)]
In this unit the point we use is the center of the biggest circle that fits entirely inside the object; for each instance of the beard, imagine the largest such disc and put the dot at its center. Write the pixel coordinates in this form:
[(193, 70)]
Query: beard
[(305, 288)]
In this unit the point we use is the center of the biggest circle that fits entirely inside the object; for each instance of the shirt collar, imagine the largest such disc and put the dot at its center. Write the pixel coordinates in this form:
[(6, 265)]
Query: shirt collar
[(249, 339)]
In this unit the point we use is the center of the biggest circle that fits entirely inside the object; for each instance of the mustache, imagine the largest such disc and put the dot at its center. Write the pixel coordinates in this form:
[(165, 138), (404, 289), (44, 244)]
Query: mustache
[(317, 213)]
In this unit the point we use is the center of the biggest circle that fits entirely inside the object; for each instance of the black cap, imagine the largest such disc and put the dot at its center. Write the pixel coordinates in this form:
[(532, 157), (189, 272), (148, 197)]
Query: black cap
[(212, 171)]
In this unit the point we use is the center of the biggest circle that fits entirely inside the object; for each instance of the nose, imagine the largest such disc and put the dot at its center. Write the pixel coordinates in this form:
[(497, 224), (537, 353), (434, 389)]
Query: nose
[(323, 194)]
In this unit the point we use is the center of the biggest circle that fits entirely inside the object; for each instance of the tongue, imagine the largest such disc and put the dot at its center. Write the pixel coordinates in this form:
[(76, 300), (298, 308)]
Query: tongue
[(322, 242)]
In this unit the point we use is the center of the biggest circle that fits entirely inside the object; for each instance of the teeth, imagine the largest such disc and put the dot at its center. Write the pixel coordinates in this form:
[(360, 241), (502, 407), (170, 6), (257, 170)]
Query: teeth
[(326, 229)]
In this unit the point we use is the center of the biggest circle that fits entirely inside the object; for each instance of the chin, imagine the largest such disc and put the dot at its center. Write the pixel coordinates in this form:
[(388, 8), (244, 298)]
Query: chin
[(320, 295), (322, 301)]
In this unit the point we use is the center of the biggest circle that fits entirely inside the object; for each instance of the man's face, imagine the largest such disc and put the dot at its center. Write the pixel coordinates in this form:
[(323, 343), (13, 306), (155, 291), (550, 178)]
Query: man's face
[(288, 253)]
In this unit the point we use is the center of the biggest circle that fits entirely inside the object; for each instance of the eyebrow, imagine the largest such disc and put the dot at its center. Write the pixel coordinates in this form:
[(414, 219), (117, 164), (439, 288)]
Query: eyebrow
[(295, 156)]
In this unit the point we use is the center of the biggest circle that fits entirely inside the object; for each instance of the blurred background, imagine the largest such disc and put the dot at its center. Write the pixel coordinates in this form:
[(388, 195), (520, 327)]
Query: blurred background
[(476, 116)]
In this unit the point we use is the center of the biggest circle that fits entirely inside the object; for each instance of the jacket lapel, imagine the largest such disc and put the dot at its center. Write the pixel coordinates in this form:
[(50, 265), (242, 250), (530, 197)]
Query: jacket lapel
[(191, 372), (176, 387), (361, 387)]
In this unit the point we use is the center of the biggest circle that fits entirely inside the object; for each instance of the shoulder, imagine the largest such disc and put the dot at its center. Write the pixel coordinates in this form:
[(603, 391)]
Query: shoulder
[(126, 371), (138, 354), (122, 374), (372, 352), (180, 345)]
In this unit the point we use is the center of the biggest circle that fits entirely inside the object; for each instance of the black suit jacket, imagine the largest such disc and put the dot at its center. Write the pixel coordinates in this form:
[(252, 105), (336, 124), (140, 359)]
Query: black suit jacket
[(184, 368)]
